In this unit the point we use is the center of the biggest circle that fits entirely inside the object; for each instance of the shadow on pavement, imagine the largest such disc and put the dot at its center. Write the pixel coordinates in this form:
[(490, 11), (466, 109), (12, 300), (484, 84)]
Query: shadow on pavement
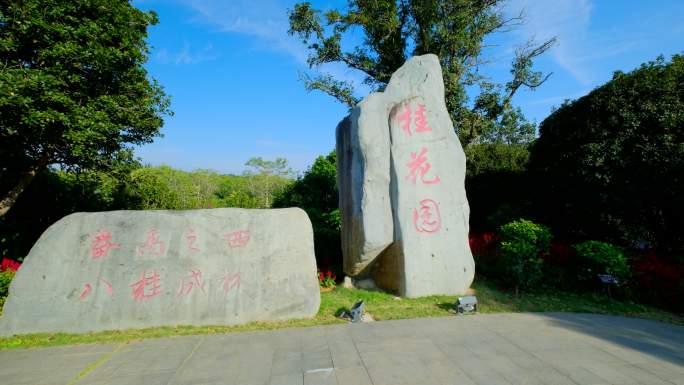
[(658, 339)]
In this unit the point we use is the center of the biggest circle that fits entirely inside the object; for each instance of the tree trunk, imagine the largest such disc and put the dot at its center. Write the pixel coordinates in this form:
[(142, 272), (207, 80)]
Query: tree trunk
[(11, 197)]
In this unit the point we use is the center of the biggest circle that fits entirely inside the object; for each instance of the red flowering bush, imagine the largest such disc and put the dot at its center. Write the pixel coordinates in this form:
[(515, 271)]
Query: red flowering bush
[(484, 248), (9, 265), (327, 279), (659, 279), (482, 244), (559, 266)]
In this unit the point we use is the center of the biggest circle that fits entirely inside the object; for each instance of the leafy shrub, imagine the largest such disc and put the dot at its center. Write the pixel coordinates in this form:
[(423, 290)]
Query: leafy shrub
[(595, 257), (522, 244), (5, 279)]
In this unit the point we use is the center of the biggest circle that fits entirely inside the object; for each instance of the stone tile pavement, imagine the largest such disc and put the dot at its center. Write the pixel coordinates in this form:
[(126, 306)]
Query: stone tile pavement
[(541, 348)]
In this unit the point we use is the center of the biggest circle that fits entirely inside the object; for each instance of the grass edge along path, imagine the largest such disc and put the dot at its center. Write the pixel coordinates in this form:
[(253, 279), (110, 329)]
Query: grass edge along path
[(382, 306)]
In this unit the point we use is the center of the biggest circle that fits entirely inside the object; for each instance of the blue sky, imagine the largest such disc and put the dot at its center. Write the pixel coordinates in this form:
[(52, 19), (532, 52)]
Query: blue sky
[(232, 72)]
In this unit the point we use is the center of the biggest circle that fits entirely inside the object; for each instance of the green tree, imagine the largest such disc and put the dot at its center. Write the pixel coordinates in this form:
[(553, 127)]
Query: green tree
[(279, 166), (57, 193), (167, 188), (152, 188), (267, 178), (316, 193), (394, 30), (73, 89), (612, 162), (234, 191)]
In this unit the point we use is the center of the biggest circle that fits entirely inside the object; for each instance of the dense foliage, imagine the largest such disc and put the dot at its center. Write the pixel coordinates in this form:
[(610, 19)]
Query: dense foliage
[(610, 165), (392, 31), (316, 193), (57, 193), (73, 89), (53, 195), (497, 184), (168, 188)]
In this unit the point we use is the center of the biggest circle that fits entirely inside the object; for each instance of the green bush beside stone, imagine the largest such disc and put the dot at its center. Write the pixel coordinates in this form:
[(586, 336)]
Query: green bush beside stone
[(522, 244), (5, 279)]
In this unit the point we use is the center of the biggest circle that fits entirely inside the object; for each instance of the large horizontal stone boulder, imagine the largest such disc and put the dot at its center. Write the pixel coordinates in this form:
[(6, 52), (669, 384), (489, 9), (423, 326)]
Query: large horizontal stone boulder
[(402, 168), (135, 269)]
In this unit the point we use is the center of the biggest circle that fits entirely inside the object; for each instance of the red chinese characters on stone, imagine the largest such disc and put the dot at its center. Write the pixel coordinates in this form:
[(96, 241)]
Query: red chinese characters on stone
[(405, 119), (229, 281), (419, 120), (426, 218), (194, 280), (87, 288), (152, 245), (190, 239), (147, 287), (238, 238), (101, 245), (108, 286), (419, 166)]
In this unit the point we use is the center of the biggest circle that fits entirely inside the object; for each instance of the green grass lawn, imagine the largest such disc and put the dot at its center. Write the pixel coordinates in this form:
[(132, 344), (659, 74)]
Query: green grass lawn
[(381, 306)]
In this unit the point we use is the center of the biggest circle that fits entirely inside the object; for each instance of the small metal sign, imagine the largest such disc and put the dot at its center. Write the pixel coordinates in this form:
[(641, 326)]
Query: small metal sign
[(357, 311), (467, 304), (609, 279)]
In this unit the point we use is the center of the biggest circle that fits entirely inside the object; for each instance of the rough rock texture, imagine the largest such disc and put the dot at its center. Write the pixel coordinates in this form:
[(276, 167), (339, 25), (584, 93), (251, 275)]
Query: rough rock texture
[(134, 269), (407, 124), (363, 159)]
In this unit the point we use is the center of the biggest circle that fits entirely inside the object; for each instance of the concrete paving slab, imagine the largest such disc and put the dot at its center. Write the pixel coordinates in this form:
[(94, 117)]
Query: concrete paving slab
[(50, 365), (287, 379), (545, 348)]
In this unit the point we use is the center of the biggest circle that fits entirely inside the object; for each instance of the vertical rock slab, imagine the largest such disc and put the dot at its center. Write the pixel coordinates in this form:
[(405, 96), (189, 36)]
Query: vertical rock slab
[(363, 165), (429, 253), (429, 202), (135, 269)]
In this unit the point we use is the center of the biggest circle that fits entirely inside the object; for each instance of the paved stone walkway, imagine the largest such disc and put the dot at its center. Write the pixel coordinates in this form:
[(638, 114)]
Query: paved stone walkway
[(545, 348)]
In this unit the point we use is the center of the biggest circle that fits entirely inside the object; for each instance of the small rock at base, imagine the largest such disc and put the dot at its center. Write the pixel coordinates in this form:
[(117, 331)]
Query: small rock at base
[(347, 283), (366, 284)]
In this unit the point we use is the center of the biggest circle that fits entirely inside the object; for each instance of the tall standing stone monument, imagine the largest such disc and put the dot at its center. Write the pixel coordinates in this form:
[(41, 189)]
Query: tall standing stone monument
[(133, 269), (401, 174)]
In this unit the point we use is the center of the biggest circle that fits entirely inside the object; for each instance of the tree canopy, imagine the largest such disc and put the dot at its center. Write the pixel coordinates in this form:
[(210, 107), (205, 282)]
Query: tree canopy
[(259, 165), (394, 30), (611, 163), (73, 89), (316, 193)]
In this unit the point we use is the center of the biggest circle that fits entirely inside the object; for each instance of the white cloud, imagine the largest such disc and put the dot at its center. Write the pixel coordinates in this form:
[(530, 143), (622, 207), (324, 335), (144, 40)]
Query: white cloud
[(569, 20), (186, 55), (553, 100), (266, 21)]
